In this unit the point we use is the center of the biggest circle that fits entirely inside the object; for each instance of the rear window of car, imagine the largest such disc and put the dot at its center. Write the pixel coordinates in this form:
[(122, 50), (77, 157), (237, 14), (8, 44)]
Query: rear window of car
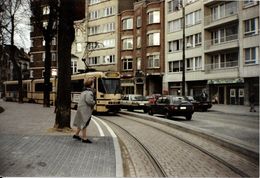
[(178, 99)]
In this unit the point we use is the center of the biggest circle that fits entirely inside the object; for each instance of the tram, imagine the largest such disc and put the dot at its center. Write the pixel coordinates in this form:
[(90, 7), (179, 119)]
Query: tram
[(107, 87)]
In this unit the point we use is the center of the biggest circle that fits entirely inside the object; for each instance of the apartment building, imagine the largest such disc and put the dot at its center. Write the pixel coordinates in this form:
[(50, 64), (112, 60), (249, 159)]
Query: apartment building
[(141, 47), (101, 35), (37, 50), (221, 49)]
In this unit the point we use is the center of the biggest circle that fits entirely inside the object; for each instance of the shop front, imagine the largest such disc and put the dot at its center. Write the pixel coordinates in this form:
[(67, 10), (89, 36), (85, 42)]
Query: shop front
[(227, 91)]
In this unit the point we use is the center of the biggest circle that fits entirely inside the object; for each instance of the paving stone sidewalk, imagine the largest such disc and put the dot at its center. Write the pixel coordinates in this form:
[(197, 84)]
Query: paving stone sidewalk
[(29, 149)]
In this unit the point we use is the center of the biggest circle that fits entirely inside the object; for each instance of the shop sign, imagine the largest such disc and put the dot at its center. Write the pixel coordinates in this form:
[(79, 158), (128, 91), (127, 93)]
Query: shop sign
[(225, 81)]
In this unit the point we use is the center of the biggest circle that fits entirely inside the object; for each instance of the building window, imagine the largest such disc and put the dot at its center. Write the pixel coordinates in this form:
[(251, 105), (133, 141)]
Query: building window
[(197, 39), (93, 60), (128, 24), (46, 10), (193, 18), (127, 43), (109, 59), (108, 11), (198, 63), (175, 66), (45, 24), (251, 55), (53, 42), (43, 56), (94, 15), (31, 58), (154, 17), (173, 5), (224, 10), (154, 61), (93, 2), (139, 63), (127, 64), (248, 3), (74, 66), (175, 45), (109, 27), (189, 64), (43, 42), (154, 39), (94, 30), (138, 42), (79, 47), (31, 73), (53, 56), (225, 34), (251, 27), (110, 43), (138, 21), (174, 25)]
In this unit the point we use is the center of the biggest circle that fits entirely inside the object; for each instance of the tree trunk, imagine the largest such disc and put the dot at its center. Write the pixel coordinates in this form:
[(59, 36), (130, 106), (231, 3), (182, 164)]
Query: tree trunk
[(47, 73), (66, 37)]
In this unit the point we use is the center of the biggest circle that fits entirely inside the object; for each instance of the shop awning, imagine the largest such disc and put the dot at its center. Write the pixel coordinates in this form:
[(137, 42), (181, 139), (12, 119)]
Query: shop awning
[(225, 81)]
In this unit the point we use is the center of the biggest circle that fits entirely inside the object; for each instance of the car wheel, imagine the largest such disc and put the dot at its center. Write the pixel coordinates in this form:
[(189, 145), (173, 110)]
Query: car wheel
[(150, 112), (145, 110), (130, 109), (188, 117), (167, 115)]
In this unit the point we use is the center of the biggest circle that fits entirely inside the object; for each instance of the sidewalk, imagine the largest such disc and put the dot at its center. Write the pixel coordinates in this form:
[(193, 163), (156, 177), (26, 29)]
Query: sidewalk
[(235, 109), (30, 148)]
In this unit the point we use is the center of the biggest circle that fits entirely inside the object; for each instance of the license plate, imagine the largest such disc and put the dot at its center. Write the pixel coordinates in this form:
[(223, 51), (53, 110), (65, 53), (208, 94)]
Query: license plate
[(182, 107)]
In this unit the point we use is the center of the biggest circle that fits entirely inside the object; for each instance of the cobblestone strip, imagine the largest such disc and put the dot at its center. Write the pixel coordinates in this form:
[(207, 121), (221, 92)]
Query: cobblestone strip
[(176, 157)]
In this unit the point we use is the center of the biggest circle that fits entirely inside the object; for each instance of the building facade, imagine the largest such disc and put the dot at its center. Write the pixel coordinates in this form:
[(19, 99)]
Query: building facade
[(141, 47), (221, 49)]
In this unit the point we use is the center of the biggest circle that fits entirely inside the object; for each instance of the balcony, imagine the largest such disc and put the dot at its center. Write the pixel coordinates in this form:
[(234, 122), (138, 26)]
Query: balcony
[(220, 66), (227, 16), (222, 69), (218, 44)]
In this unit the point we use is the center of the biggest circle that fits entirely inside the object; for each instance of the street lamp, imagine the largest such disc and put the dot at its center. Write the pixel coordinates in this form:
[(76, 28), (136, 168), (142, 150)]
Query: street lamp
[(183, 47)]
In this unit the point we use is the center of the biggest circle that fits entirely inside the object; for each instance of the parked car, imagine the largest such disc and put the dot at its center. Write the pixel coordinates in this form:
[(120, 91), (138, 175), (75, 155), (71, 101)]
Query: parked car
[(134, 102), (199, 104), (172, 106)]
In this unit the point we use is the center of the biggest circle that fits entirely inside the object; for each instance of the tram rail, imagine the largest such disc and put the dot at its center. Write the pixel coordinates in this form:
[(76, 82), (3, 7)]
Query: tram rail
[(253, 167)]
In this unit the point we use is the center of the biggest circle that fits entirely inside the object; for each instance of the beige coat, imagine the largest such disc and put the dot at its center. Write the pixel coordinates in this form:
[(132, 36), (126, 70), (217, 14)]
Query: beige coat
[(85, 107)]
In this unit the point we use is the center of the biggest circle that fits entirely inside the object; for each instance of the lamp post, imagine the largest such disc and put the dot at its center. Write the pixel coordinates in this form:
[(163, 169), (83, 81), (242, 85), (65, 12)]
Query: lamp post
[(183, 49)]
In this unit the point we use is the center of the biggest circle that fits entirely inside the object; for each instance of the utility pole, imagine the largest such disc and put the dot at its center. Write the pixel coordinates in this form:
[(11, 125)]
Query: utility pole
[(183, 49)]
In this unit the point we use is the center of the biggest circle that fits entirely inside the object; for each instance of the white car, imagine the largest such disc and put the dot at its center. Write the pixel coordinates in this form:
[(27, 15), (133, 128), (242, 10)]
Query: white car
[(134, 102)]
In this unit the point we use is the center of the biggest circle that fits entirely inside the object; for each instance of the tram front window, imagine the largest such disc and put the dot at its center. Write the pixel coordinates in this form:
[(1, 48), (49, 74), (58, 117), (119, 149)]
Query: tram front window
[(109, 86)]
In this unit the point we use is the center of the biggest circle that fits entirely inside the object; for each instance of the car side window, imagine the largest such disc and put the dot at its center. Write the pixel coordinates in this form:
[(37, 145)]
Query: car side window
[(167, 101)]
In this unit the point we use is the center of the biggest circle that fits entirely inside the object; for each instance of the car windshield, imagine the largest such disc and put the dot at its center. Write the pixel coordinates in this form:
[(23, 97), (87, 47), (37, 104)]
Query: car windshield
[(139, 98), (190, 98)]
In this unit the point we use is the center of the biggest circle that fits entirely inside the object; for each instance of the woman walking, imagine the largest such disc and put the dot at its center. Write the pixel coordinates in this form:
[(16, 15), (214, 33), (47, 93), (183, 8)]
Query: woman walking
[(85, 108)]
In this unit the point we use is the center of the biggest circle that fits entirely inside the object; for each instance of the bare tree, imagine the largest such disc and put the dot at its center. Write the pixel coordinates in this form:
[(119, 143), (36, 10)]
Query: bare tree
[(12, 12), (45, 16)]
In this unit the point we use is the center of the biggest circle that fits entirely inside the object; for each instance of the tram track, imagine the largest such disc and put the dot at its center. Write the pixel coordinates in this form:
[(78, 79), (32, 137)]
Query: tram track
[(159, 163)]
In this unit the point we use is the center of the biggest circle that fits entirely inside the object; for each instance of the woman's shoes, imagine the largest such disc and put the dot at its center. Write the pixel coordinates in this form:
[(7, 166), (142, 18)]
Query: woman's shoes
[(86, 141), (83, 140), (76, 137)]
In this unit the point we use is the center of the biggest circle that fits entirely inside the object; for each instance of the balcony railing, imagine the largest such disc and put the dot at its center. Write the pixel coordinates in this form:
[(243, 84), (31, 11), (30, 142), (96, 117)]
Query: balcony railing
[(222, 40), (221, 65), (227, 13)]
